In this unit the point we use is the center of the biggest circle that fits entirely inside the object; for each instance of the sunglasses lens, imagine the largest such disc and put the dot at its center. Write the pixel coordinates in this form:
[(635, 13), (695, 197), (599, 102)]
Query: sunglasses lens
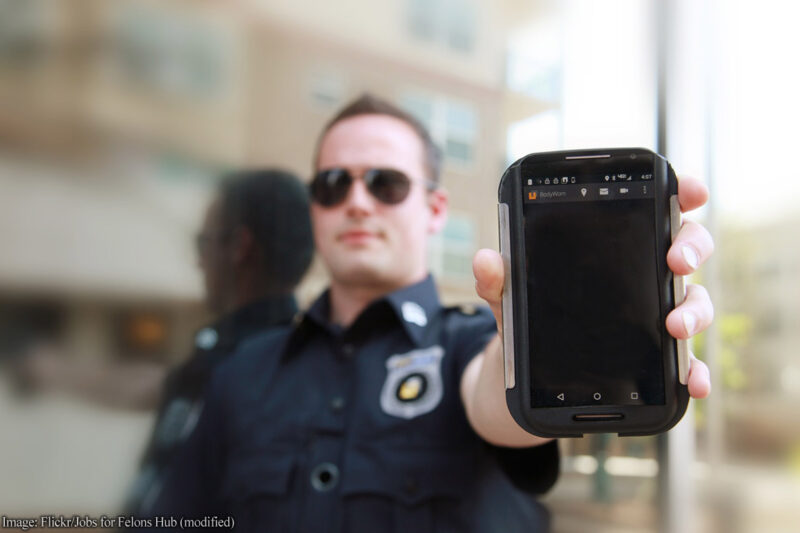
[(388, 186), (330, 187)]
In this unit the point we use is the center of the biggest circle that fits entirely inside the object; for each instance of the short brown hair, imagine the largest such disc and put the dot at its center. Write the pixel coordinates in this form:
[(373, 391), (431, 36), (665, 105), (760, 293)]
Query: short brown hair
[(368, 104)]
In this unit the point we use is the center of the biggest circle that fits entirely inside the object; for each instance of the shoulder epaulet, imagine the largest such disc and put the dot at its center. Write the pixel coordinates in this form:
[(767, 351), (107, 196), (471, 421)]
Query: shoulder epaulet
[(464, 309)]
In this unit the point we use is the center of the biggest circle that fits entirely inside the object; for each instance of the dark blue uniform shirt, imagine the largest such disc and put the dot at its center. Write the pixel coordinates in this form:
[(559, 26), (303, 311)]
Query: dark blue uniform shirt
[(182, 398), (321, 429)]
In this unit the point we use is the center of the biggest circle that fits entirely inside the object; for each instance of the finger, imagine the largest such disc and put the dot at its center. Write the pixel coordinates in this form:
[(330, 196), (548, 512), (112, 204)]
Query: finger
[(487, 265), (693, 315), (692, 193), (690, 249), (699, 379)]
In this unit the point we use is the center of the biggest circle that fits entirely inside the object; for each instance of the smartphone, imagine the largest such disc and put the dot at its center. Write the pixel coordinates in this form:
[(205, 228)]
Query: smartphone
[(584, 237)]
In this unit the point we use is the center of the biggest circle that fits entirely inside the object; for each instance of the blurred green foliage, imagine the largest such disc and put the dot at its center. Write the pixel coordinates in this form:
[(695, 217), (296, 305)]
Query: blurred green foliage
[(735, 331)]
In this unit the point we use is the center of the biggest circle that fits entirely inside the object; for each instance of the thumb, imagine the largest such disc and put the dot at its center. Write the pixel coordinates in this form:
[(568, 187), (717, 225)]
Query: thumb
[(487, 265)]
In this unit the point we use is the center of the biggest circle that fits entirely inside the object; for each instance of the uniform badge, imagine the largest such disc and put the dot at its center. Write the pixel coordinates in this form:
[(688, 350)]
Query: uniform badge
[(413, 383)]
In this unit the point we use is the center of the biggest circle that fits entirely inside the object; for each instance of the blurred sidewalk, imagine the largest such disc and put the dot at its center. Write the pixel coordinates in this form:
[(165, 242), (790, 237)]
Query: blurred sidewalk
[(60, 456)]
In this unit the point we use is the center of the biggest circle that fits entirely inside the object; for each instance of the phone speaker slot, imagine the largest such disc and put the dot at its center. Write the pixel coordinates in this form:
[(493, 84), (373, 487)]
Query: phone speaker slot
[(598, 417)]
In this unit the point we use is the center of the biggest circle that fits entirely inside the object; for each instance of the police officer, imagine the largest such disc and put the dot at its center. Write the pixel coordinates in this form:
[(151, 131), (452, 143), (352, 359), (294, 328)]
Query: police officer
[(381, 410), (253, 249)]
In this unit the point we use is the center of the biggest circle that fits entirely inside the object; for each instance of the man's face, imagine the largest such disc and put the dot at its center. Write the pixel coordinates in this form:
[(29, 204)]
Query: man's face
[(363, 241), (214, 258)]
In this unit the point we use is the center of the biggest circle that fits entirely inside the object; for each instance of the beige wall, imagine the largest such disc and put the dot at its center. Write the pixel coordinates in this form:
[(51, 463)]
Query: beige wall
[(381, 28), (264, 115)]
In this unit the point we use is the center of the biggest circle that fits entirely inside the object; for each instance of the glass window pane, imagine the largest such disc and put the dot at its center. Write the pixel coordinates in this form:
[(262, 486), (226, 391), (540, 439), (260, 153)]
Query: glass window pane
[(461, 118), (420, 107), (458, 150)]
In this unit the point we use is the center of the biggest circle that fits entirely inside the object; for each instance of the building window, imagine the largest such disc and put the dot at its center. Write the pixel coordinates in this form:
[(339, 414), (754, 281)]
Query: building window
[(25, 33), (170, 54), (453, 124), (452, 249), (326, 89), (535, 60), (449, 23)]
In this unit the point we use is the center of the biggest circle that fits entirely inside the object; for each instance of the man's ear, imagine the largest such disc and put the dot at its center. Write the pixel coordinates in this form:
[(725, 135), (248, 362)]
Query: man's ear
[(438, 200), (243, 245)]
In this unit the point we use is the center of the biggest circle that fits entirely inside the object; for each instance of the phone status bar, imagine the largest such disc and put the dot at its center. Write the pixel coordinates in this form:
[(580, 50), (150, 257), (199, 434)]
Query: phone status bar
[(594, 178)]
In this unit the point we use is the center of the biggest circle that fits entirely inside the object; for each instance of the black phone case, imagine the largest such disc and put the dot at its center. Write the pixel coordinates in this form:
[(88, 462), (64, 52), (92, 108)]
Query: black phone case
[(558, 421)]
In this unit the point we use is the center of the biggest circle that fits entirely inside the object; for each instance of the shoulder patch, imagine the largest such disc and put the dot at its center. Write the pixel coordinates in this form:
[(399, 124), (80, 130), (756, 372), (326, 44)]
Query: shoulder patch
[(178, 421)]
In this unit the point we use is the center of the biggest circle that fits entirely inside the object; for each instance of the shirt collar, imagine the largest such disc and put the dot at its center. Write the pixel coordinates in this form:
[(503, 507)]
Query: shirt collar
[(414, 306)]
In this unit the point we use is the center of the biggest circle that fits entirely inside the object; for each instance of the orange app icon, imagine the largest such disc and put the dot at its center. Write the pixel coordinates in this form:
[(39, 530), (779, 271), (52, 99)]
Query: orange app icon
[(532, 195)]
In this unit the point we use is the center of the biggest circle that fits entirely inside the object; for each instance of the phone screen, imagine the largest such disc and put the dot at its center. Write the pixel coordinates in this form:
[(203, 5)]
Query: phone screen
[(594, 315)]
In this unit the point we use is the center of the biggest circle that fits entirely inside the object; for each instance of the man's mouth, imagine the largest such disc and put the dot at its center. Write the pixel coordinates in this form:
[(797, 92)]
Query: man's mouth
[(357, 236)]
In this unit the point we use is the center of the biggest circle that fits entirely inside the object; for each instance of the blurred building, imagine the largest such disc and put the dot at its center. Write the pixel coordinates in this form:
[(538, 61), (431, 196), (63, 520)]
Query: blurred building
[(116, 119)]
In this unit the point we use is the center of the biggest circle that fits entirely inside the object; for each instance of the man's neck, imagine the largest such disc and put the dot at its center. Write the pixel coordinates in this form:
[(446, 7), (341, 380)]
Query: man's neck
[(348, 301)]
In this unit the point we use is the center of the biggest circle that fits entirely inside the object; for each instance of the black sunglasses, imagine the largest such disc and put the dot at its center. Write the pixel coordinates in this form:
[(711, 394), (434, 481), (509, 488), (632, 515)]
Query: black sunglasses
[(330, 187)]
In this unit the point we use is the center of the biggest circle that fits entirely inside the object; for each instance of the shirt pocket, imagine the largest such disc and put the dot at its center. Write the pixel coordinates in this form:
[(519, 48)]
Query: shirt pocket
[(256, 488), (405, 489)]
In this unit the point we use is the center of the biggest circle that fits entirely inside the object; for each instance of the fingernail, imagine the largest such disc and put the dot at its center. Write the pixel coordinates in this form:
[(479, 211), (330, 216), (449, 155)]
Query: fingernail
[(689, 322), (690, 256)]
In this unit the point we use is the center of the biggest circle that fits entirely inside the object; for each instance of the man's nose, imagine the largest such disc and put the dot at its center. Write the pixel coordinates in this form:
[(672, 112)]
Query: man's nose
[(359, 201)]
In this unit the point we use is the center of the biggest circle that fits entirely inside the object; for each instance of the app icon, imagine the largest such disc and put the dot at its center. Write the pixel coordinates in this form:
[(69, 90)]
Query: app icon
[(572, 179), (603, 191), (564, 180), (547, 181), (530, 182), (596, 396), (634, 396), (583, 191), (623, 190), (532, 195), (561, 396)]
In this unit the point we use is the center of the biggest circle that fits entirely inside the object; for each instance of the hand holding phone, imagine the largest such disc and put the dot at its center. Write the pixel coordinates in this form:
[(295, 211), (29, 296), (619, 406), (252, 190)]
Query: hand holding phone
[(584, 236)]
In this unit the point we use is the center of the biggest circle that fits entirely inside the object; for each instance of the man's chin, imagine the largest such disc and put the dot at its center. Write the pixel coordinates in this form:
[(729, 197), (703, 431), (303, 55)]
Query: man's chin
[(362, 274)]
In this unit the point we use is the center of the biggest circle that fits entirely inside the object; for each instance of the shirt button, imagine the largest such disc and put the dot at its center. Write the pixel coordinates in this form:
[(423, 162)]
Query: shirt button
[(337, 404), (348, 350), (324, 477)]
